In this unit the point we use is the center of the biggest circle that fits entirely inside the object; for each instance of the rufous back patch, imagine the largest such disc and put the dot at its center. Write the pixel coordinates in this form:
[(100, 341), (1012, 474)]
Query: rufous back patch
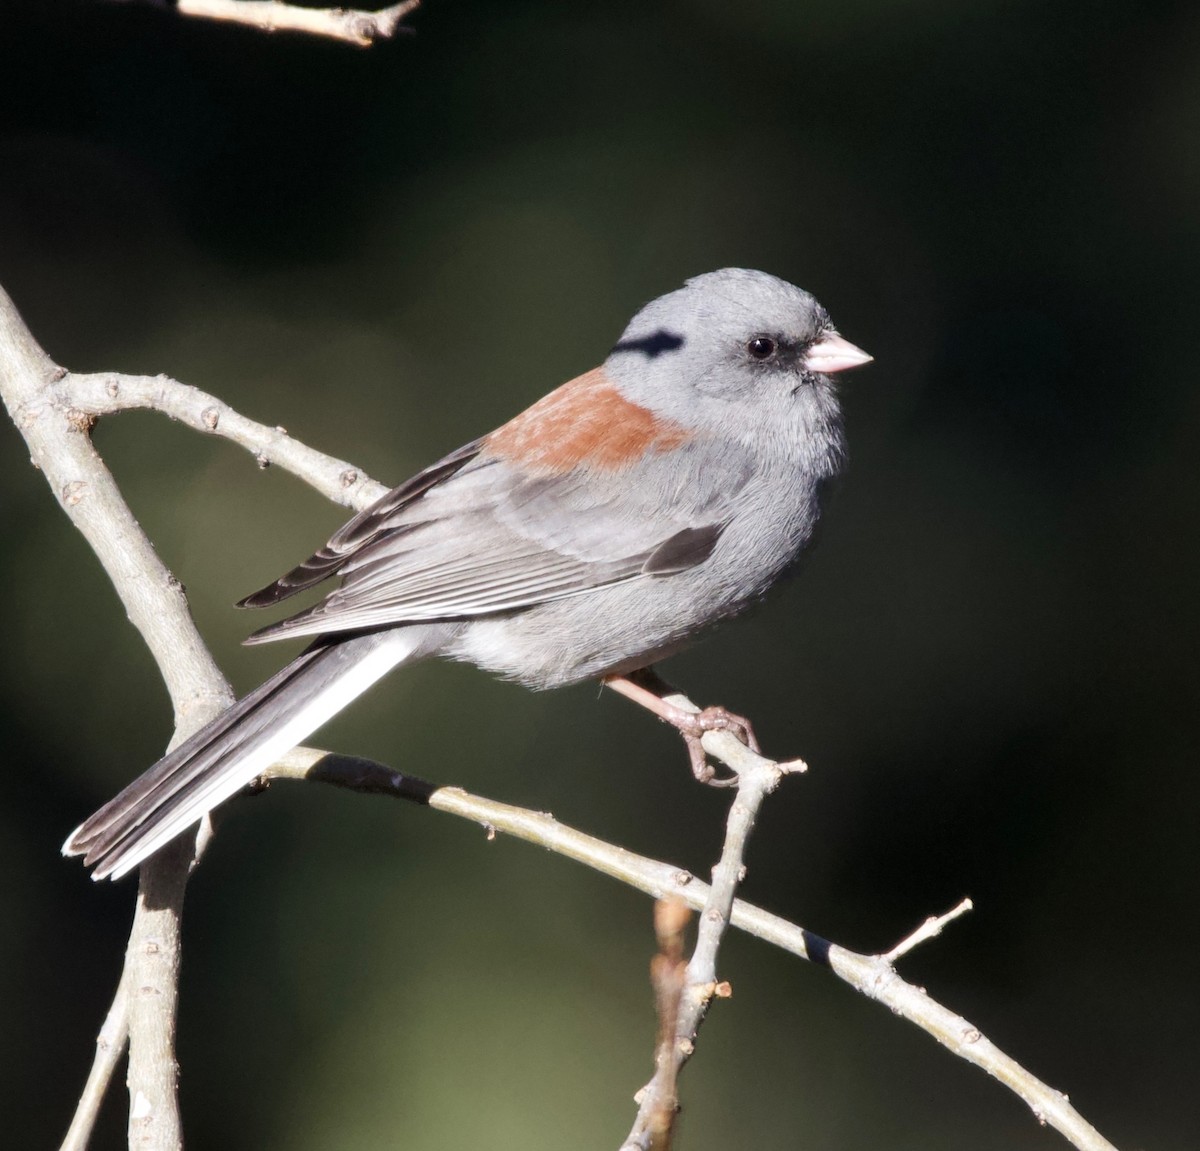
[(587, 420)]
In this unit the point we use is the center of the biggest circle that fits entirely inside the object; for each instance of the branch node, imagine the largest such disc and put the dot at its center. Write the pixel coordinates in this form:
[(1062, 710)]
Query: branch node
[(81, 422), (74, 492)]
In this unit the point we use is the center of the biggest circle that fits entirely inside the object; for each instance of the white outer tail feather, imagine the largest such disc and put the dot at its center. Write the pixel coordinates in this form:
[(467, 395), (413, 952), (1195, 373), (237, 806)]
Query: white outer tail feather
[(232, 777)]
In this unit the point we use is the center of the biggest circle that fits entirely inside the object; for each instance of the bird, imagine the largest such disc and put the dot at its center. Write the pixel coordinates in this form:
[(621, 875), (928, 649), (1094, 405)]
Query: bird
[(601, 530)]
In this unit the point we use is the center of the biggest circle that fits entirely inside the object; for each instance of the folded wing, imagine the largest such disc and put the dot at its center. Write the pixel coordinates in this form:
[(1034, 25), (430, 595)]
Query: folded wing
[(472, 536)]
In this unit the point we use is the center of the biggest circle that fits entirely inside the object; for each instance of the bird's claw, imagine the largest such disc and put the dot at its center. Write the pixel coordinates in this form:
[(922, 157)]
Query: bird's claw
[(693, 725)]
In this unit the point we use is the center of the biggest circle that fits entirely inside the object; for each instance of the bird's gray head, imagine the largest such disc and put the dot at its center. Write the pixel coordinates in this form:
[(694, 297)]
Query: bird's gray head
[(739, 351)]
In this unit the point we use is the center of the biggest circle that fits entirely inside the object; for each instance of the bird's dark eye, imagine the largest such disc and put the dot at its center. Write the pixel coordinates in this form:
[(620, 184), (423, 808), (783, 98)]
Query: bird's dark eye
[(761, 348)]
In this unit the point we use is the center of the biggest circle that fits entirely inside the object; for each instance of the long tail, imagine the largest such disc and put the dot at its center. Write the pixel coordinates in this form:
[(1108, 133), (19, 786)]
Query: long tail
[(241, 743)]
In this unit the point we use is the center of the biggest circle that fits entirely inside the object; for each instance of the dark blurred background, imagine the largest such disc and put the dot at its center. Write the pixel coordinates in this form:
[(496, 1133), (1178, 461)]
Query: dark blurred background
[(990, 661)]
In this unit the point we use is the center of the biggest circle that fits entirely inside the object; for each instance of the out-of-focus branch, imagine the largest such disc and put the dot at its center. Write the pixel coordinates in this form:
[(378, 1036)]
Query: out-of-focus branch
[(352, 26), (872, 975), (668, 977)]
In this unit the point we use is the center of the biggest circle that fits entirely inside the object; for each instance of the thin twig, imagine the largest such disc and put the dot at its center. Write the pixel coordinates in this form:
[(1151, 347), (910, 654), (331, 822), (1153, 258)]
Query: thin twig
[(103, 393), (351, 26), (931, 928), (110, 1046), (872, 975)]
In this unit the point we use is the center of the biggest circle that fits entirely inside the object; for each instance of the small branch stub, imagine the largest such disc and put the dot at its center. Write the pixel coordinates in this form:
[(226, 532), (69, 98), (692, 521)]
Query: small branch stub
[(930, 929)]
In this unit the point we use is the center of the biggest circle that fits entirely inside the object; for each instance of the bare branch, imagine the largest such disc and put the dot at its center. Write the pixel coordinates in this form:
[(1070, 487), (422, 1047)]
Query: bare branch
[(668, 977), (55, 411), (60, 445), (872, 975), (931, 928), (61, 448), (152, 961), (757, 777), (349, 25), (103, 393), (110, 1046)]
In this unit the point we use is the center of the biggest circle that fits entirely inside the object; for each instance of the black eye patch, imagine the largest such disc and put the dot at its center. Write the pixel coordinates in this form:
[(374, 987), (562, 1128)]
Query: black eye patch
[(653, 345)]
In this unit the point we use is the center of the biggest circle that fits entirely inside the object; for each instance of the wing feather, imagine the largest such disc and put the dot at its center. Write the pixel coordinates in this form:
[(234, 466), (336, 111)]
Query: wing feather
[(473, 536)]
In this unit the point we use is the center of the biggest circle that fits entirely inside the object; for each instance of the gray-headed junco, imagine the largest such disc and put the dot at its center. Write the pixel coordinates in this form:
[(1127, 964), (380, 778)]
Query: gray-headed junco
[(597, 532)]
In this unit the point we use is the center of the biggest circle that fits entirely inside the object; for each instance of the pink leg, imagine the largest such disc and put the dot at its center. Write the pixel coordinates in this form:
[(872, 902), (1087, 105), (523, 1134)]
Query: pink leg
[(646, 687)]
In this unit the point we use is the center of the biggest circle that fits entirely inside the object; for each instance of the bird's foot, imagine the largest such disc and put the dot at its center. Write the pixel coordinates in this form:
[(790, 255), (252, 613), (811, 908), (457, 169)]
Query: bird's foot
[(645, 687), (693, 724)]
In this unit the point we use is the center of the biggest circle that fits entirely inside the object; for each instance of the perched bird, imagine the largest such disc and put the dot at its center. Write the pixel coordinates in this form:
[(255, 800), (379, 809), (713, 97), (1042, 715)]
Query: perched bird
[(602, 529)]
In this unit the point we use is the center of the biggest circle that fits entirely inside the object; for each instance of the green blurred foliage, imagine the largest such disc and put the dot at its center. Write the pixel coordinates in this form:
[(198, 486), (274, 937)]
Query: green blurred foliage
[(990, 661)]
